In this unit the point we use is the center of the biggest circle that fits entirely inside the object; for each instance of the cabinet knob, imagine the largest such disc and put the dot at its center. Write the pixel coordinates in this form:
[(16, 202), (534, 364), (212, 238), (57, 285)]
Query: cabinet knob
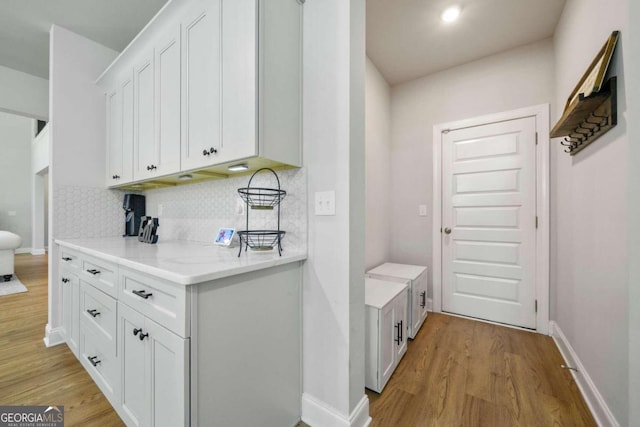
[(94, 360), (66, 259), (93, 312), (65, 280), (136, 331), (205, 152), (116, 177), (143, 336), (213, 150), (151, 167)]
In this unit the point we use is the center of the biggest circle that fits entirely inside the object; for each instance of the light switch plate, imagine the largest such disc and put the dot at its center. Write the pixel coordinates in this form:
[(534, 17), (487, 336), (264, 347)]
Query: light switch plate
[(422, 210), (325, 202)]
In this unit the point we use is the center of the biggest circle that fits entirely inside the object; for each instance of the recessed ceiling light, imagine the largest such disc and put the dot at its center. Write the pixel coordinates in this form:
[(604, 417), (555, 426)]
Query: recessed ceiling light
[(451, 14)]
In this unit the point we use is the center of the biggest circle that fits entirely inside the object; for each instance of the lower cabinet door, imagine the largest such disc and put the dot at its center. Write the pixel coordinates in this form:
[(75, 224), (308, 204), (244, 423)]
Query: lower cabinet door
[(134, 366), (401, 320), (168, 356), (155, 372), (388, 334), (71, 311), (101, 363)]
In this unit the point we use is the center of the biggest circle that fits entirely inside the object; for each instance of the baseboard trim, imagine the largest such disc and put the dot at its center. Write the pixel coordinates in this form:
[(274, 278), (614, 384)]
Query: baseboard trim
[(593, 398), (38, 252), (429, 304), (23, 250), (317, 413), (53, 336)]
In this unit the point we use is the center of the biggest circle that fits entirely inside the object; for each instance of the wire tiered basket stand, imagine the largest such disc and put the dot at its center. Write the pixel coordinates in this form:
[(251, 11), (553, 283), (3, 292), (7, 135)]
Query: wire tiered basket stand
[(261, 198)]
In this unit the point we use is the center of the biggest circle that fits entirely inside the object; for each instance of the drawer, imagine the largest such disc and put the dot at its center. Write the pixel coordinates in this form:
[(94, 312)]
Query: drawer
[(98, 313), (159, 300), (70, 259), (102, 365), (101, 274)]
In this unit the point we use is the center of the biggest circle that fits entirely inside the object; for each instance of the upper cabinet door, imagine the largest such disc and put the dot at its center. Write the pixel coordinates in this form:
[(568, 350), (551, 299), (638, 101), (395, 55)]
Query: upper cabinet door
[(239, 77), (120, 132), (167, 67), (202, 79), (145, 154), (114, 137)]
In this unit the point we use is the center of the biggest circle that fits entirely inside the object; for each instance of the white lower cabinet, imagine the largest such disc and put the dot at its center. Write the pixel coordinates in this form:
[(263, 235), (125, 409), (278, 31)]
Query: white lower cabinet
[(415, 277), (70, 303), (385, 338), (154, 371), (100, 361)]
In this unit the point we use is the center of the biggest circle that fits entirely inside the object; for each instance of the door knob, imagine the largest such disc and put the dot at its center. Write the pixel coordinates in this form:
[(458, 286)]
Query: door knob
[(447, 230)]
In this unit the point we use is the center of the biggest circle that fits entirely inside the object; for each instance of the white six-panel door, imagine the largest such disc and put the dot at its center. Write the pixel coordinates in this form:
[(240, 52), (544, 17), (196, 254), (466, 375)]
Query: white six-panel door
[(489, 222)]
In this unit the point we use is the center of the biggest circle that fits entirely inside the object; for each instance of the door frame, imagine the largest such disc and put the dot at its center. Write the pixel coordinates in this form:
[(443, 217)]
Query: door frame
[(541, 114)]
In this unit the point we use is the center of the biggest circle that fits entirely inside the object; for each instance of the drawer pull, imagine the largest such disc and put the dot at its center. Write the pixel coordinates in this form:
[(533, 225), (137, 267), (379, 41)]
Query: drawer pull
[(66, 258), (136, 331), (143, 336), (93, 312), (93, 360), (65, 280), (93, 271), (142, 294), (423, 294)]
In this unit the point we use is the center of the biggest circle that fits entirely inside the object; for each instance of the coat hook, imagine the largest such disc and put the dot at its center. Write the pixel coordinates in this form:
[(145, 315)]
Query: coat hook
[(587, 134), (604, 119)]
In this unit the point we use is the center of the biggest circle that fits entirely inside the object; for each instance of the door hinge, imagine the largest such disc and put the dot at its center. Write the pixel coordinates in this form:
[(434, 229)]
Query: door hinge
[(536, 304), (536, 138), (536, 221)]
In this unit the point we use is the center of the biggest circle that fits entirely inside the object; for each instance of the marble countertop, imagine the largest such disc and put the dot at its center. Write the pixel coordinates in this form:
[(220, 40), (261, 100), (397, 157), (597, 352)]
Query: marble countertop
[(182, 262)]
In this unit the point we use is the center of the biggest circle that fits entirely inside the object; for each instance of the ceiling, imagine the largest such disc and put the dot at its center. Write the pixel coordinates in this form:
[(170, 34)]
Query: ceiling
[(407, 39), (25, 24)]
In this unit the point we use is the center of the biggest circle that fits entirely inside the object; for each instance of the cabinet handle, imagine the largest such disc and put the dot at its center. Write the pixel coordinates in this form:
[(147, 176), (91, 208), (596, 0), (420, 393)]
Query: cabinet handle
[(397, 339), (136, 331), (143, 336), (93, 360), (66, 258), (116, 177), (65, 280), (213, 150), (151, 167), (93, 312), (423, 294), (401, 330), (93, 271), (142, 294)]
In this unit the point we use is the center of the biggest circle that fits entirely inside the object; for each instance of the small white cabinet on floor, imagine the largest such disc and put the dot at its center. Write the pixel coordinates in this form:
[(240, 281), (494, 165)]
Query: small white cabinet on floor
[(385, 338), (415, 277)]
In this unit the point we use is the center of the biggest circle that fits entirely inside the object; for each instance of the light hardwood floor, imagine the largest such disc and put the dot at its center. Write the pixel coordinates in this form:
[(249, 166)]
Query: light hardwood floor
[(460, 372), (30, 373), (457, 372)]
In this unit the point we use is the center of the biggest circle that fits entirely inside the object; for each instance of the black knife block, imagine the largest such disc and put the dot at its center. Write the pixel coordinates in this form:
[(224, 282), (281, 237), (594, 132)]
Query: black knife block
[(148, 229)]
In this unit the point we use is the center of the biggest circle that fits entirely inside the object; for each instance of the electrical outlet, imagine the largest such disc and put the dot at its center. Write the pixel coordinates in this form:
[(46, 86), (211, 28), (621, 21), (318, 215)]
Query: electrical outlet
[(240, 207), (422, 210), (325, 202)]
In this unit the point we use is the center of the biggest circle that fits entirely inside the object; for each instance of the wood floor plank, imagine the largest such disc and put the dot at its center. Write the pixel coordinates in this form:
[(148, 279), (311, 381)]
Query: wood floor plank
[(461, 372), (32, 374)]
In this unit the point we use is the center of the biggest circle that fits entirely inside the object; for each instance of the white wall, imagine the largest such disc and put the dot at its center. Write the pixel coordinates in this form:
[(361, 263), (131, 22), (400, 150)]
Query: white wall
[(77, 146), (514, 79), (591, 225), (333, 279), (23, 94), (632, 66), (377, 167), (15, 176)]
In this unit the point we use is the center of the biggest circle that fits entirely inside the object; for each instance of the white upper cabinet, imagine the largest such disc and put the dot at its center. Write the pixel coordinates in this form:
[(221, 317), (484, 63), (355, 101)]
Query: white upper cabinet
[(215, 82), (167, 64), (145, 153), (120, 131), (201, 103)]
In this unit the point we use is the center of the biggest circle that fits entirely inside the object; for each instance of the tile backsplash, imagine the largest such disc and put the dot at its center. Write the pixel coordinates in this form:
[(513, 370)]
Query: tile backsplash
[(195, 212), (87, 212)]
